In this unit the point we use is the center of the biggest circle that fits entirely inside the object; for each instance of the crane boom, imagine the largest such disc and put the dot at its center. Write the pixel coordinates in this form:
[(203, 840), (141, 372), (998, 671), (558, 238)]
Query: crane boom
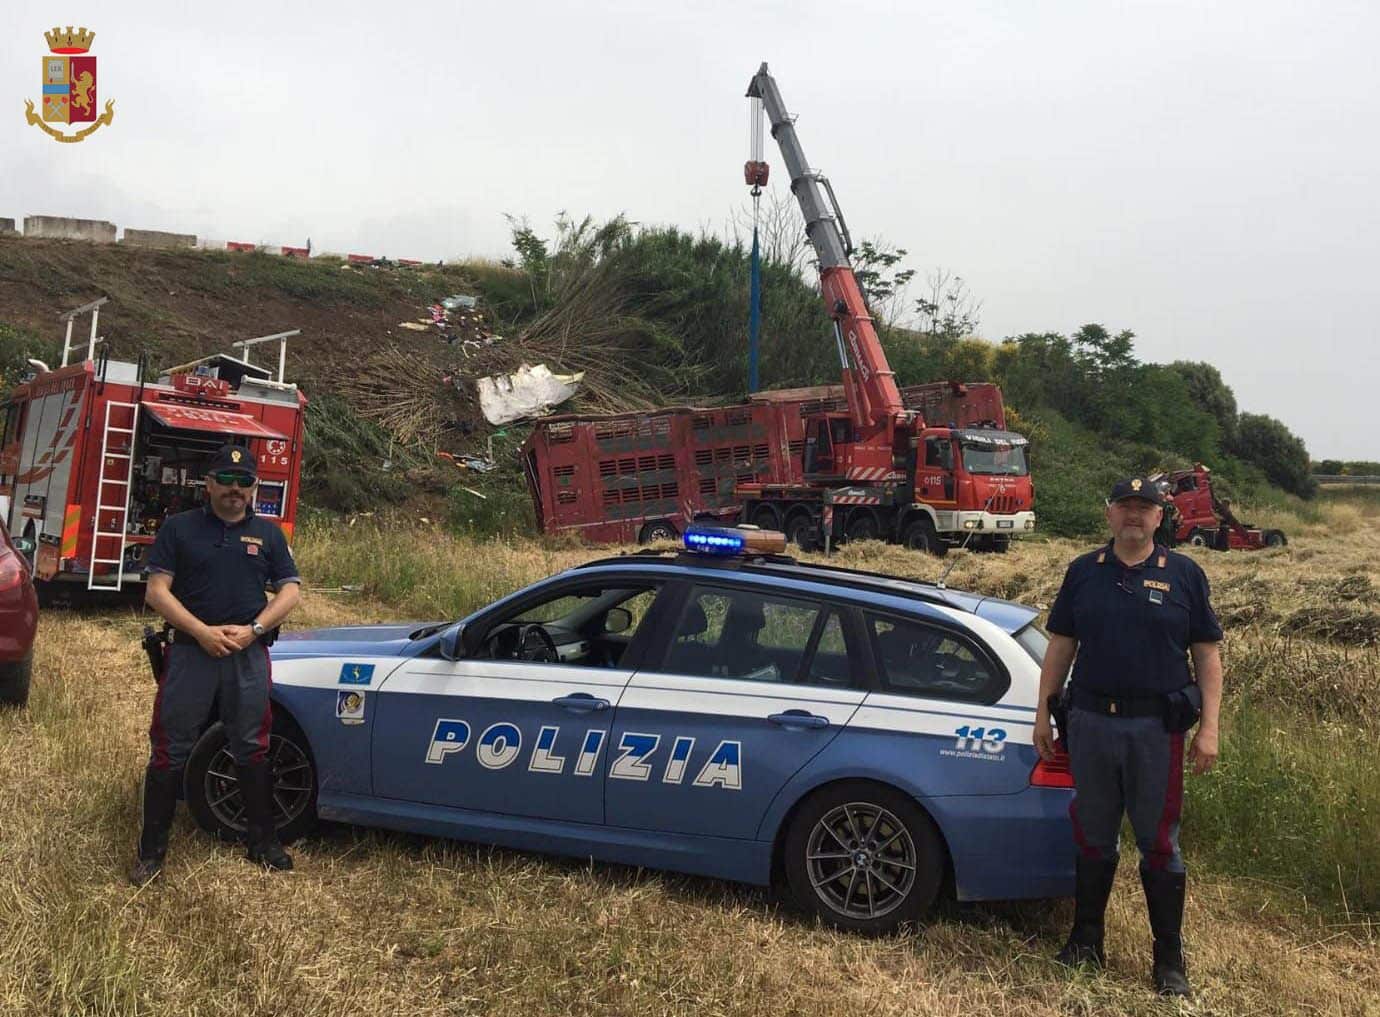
[(874, 402)]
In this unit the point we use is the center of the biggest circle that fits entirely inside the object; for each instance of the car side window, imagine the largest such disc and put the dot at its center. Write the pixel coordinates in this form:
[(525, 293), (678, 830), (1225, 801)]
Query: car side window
[(916, 659), (829, 665), (742, 634), (589, 626)]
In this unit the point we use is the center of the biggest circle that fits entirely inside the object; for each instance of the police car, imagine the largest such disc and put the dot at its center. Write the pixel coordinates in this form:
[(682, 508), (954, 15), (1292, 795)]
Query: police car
[(725, 711)]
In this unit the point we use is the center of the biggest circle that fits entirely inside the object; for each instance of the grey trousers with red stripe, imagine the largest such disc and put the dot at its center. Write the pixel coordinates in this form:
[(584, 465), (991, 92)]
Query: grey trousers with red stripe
[(194, 683), (1129, 765)]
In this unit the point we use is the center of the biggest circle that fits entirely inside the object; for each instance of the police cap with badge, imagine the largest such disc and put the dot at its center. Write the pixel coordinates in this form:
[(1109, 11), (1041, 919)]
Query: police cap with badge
[(233, 459), (1137, 487)]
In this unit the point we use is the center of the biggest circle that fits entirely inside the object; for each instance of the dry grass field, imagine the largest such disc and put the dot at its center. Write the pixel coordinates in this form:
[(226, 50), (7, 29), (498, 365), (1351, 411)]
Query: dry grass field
[(1282, 842)]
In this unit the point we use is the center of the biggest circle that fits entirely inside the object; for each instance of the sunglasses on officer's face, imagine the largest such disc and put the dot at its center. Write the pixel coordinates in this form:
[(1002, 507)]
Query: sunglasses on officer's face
[(228, 477)]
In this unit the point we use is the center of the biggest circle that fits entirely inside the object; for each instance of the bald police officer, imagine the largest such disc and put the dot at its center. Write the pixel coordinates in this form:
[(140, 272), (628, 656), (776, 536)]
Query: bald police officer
[(209, 568), (1133, 612)]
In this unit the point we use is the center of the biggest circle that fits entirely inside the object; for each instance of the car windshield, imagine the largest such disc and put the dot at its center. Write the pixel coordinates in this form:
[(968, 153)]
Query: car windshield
[(995, 459)]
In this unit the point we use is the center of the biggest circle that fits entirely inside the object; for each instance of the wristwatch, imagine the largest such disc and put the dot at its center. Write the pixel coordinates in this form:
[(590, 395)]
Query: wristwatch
[(259, 630)]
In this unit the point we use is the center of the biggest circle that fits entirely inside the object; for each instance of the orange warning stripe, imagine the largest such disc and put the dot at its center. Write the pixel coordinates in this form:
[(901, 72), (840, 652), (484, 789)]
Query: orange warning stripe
[(71, 524)]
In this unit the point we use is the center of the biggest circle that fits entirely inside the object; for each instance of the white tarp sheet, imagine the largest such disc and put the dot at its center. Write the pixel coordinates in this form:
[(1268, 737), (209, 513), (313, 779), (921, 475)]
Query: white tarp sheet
[(527, 392)]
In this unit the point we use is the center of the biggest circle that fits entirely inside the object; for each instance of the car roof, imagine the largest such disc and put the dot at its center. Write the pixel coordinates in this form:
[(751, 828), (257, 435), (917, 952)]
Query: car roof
[(789, 574)]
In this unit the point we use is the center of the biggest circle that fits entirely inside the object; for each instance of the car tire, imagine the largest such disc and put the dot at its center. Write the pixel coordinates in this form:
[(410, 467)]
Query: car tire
[(765, 517), (211, 785), (920, 535), (801, 530), (1275, 538), (860, 827), (657, 529), (863, 525), (15, 678), (1200, 538)]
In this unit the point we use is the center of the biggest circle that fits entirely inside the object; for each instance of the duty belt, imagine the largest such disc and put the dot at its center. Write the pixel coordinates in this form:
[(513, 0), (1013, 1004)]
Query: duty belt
[(1138, 705)]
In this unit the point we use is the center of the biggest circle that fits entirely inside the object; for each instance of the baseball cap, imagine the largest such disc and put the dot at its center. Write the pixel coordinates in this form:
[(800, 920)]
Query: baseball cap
[(1137, 487), (233, 457)]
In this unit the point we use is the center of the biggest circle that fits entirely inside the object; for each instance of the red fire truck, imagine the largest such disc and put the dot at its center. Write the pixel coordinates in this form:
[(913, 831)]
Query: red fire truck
[(93, 458), (646, 476), (1207, 521)]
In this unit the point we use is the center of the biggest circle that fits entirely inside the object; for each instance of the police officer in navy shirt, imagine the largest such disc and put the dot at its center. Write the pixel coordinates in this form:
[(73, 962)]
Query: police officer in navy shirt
[(1134, 613), (209, 568)]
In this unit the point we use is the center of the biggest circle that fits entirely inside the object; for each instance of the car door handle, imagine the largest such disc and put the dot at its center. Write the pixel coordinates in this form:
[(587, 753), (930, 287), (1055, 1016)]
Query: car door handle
[(799, 718), (581, 702)]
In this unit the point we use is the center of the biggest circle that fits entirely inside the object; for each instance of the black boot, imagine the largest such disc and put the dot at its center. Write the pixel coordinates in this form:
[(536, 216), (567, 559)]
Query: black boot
[(256, 787), (1164, 897), (1094, 886), (160, 803)]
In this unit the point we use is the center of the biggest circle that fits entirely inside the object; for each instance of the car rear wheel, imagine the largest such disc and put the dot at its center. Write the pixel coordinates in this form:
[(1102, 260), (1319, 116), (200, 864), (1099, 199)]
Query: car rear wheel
[(1200, 538), (212, 785), (863, 857), (1275, 538), (15, 678)]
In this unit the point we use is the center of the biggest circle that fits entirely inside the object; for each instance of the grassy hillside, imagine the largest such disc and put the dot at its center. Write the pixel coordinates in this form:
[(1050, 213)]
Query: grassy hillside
[(650, 316)]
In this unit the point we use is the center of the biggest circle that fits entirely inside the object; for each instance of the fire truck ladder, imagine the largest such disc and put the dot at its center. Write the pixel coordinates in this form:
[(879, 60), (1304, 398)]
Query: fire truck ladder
[(113, 495)]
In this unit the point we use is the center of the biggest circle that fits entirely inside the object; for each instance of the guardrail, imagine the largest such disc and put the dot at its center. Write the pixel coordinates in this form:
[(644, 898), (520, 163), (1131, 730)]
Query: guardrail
[(1335, 479)]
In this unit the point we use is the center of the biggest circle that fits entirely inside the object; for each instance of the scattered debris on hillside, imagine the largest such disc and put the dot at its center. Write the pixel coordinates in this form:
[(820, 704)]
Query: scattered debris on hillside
[(526, 392)]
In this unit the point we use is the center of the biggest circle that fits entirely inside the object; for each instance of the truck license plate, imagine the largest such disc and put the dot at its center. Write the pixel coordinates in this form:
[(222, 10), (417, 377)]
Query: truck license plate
[(1005, 524)]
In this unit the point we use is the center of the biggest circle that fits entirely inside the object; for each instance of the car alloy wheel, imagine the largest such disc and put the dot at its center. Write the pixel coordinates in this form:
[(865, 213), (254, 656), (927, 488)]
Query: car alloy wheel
[(292, 785), (861, 861)]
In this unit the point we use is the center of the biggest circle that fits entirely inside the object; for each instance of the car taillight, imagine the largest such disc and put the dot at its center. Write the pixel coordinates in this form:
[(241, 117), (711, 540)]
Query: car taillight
[(12, 571), (1055, 773)]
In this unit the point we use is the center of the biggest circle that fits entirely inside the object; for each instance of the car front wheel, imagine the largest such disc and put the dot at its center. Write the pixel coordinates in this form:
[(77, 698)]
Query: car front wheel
[(212, 785), (863, 857)]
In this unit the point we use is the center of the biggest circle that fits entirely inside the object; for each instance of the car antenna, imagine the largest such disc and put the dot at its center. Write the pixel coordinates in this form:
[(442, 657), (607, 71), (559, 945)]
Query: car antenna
[(962, 547)]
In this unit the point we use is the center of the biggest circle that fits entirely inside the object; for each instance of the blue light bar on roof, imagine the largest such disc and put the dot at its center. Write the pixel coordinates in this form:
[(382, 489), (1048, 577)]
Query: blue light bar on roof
[(725, 540)]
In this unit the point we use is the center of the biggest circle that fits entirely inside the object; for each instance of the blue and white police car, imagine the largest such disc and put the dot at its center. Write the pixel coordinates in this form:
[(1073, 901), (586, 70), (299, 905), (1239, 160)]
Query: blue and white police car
[(725, 710)]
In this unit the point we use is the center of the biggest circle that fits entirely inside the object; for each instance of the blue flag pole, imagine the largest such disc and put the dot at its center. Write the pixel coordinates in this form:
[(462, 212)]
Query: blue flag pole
[(755, 312)]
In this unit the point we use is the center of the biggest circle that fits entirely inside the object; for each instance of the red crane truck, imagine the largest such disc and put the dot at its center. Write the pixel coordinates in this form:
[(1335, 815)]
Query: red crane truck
[(879, 469), (647, 475), (93, 458)]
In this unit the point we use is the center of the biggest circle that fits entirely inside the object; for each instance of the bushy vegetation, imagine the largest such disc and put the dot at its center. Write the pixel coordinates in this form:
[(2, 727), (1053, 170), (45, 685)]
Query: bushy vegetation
[(17, 346)]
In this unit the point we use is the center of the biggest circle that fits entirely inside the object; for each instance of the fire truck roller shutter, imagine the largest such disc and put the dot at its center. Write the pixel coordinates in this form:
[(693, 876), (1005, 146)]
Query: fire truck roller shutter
[(204, 418)]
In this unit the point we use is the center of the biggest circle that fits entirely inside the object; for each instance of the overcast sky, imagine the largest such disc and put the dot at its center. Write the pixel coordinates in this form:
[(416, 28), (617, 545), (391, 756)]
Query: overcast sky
[(1205, 174)]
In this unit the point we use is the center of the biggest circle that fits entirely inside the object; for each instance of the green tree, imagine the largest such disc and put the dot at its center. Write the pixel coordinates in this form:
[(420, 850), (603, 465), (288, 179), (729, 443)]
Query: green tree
[(1280, 453), (1211, 393)]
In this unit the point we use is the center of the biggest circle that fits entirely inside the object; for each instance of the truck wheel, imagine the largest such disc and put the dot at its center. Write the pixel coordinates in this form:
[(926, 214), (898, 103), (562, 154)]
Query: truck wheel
[(1275, 538), (658, 529), (801, 530), (863, 525), (212, 786), (14, 681), (920, 535), (1200, 538), (863, 857), (765, 517)]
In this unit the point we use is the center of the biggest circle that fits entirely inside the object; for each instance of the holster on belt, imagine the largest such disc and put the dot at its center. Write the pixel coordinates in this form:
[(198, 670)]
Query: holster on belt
[(1183, 708), (1059, 710), (155, 646)]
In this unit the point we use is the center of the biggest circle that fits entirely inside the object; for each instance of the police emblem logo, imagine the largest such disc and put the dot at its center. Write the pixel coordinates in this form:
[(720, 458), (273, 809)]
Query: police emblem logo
[(1136, 484), (236, 455), (69, 86)]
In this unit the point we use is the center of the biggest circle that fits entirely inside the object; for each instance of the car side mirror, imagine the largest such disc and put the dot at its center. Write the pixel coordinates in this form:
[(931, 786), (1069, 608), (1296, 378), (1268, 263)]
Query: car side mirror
[(452, 644), (25, 546), (619, 619)]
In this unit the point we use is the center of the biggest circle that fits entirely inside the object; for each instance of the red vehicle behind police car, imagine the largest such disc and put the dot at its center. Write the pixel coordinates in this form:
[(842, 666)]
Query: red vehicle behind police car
[(18, 621)]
